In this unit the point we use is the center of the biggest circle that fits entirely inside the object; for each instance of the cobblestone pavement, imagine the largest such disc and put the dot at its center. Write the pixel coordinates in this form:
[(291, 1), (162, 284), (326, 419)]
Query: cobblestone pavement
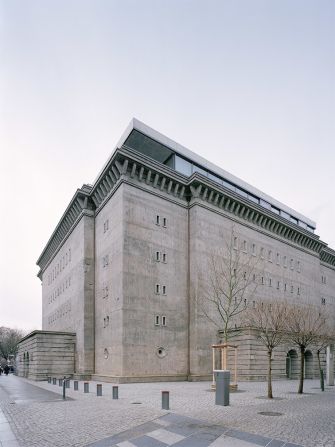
[(307, 420)]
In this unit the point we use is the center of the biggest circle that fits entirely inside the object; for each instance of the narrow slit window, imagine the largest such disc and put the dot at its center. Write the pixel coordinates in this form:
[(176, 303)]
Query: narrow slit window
[(163, 320), (157, 220), (164, 290), (158, 256), (156, 320), (157, 289), (164, 258), (164, 221)]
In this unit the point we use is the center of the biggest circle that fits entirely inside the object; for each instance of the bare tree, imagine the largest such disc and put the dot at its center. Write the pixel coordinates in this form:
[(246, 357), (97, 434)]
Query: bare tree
[(325, 338), (269, 321), (304, 325), (229, 284), (9, 339)]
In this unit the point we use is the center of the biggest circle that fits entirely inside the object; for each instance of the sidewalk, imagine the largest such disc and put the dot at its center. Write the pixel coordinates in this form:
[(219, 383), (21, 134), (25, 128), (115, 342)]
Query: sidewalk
[(7, 437), (40, 418)]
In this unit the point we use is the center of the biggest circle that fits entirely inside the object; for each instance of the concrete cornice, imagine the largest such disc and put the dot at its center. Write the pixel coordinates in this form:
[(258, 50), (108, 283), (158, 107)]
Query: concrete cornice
[(327, 256), (41, 332), (133, 167), (80, 202)]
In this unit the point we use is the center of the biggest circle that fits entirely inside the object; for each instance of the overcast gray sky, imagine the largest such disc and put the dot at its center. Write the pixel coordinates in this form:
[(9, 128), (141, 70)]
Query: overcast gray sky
[(247, 84)]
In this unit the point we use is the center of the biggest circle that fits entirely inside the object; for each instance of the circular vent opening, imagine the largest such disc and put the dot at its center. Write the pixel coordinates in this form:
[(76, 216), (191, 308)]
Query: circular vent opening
[(161, 352)]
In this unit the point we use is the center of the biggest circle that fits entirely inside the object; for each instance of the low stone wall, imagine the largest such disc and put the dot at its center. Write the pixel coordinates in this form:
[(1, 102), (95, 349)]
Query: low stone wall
[(46, 353)]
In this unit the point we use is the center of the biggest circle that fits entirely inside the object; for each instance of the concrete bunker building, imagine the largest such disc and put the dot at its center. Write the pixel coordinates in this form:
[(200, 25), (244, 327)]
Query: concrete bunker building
[(120, 271)]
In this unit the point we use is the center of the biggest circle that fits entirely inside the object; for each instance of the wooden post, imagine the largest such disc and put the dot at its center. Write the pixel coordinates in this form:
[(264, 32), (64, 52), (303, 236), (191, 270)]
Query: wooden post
[(213, 383)]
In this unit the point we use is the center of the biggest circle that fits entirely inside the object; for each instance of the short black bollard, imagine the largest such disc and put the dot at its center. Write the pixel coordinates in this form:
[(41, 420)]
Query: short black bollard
[(67, 383), (115, 392), (64, 386), (165, 400), (49, 379), (86, 387), (99, 389), (75, 385), (60, 382), (54, 381)]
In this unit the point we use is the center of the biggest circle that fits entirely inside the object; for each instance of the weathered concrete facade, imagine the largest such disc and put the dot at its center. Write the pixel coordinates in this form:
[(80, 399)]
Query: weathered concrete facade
[(45, 353), (126, 264)]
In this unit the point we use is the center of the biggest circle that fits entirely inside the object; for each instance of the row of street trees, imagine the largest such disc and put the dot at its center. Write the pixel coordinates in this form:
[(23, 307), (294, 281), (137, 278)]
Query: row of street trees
[(228, 300), (9, 339)]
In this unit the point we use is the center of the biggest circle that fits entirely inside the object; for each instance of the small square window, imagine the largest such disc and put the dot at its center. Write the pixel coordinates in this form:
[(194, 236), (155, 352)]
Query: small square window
[(163, 320), (157, 320)]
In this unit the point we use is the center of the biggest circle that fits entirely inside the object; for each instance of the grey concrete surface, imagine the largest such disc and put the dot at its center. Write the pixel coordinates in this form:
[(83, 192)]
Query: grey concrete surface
[(39, 417)]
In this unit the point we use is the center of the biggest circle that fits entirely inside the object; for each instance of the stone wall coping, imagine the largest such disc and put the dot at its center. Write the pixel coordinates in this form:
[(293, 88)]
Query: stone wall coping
[(41, 332)]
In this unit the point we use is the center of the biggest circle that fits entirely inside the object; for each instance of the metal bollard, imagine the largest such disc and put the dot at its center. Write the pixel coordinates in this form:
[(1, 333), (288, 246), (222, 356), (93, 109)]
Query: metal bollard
[(99, 389), (67, 383), (60, 382), (165, 400), (86, 387), (222, 379), (75, 385), (49, 379), (64, 387), (115, 392), (54, 380)]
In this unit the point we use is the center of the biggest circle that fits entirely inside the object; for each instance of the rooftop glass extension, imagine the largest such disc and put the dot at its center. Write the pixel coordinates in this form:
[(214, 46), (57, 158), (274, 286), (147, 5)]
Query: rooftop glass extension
[(161, 153)]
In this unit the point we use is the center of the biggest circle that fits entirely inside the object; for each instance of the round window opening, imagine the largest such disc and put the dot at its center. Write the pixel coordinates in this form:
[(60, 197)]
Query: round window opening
[(106, 353), (161, 352)]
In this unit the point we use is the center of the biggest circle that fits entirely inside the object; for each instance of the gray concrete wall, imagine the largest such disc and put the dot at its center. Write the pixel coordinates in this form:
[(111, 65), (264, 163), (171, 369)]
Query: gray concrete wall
[(42, 354), (297, 268), (150, 349), (109, 234), (68, 292)]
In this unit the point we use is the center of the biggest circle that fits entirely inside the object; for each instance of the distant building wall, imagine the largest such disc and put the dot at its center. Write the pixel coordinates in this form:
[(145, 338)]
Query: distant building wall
[(45, 353)]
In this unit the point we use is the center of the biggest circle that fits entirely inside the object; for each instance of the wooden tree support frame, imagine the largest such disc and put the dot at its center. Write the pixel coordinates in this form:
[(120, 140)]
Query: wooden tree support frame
[(223, 349)]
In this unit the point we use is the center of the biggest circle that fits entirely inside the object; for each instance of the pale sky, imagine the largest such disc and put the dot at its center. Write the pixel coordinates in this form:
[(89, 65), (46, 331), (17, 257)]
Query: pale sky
[(247, 84)]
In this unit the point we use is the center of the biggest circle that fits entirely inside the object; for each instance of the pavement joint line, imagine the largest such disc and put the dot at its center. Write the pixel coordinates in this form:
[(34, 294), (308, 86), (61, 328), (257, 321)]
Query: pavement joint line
[(187, 399)]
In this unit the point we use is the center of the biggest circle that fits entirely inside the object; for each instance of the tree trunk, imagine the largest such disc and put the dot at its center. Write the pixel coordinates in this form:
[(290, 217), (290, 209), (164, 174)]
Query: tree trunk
[(270, 396), (322, 383), (302, 364)]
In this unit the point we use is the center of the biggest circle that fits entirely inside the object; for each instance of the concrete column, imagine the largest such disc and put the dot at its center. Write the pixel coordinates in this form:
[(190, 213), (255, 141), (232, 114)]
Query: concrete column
[(330, 365)]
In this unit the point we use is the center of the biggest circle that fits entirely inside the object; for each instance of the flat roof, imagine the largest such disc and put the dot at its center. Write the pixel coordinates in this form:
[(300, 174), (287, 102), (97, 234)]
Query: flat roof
[(135, 124)]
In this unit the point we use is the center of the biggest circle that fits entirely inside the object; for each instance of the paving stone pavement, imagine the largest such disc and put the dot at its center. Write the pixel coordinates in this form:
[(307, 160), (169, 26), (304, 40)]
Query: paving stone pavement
[(137, 420)]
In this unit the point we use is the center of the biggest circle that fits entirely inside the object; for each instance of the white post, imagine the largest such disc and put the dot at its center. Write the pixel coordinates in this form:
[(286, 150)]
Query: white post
[(330, 365)]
